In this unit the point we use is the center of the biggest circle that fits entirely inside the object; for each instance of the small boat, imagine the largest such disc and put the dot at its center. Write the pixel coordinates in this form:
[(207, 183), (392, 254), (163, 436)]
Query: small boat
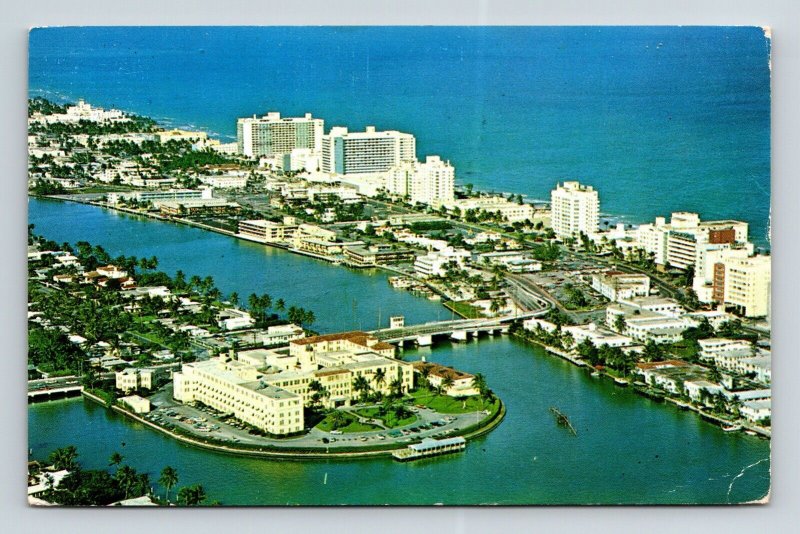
[(731, 428), (750, 433), (595, 374)]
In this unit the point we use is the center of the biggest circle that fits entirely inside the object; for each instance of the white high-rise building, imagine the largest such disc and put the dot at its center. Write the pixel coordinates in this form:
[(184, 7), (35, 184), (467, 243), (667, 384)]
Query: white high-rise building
[(366, 152), (575, 208), (273, 135), (745, 284), (682, 242), (428, 182)]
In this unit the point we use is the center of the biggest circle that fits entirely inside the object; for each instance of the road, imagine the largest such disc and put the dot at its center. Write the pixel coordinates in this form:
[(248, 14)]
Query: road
[(162, 403)]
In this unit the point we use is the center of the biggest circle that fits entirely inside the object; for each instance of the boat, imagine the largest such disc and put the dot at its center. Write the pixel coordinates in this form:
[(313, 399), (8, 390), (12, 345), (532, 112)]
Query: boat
[(595, 374), (731, 428), (430, 447), (750, 433)]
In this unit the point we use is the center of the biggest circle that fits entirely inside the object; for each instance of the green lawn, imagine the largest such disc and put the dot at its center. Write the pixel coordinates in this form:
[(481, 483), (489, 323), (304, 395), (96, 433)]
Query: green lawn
[(465, 309), (326, 425), (447, 404), (389, 420)]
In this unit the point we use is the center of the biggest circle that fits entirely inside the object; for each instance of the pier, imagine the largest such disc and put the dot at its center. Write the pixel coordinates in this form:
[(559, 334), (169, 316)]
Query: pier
[(430, 447)]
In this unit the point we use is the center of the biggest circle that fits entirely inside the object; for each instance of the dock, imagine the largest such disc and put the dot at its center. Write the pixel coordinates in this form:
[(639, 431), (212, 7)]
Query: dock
[(430, 447)]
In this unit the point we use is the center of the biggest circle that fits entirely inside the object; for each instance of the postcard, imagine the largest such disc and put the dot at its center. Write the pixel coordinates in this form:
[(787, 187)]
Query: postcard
[(278, 266)]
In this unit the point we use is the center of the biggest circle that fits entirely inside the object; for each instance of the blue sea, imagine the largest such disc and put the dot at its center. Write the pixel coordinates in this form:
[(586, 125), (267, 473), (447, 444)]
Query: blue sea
[(658, 119)]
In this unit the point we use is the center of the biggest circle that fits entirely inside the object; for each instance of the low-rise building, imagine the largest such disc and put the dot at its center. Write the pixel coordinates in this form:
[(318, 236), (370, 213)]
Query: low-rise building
[(435, 263), (757, 411), (264, 231), (198, 206), (597, 335), (136, 403), (132, 379), (616, 285), (360, 256), (461, 384)]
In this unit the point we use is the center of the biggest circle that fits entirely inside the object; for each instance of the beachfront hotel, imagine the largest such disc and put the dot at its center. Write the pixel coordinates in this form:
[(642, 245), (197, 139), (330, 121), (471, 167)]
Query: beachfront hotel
[(370, 151), (426, 183), (268, 388), (273, 135), (575, 208)]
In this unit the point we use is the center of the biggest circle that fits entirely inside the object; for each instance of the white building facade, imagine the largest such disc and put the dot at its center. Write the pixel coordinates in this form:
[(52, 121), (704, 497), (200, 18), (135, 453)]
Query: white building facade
[(575, 208)]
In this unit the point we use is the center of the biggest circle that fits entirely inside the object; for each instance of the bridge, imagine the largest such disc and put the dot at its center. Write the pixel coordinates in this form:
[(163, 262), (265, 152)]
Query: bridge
[(458, 330), (47, 389)]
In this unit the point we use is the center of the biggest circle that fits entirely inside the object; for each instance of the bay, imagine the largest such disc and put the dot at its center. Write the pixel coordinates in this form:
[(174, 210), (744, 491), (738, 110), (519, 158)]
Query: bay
[(628, 450)]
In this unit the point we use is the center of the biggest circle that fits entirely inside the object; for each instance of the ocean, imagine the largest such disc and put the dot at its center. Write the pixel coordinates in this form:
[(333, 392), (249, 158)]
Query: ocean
[(658, 119)]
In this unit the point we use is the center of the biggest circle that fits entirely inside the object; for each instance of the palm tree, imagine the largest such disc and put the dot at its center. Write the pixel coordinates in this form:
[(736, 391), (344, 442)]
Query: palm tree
[(65, 458), (234, 298), (361, 385), (479, 383), (191, 495), (168, 479), (280, 305), (116, 459), (447, 383), (380, 377), (127, 478), (338, 419)]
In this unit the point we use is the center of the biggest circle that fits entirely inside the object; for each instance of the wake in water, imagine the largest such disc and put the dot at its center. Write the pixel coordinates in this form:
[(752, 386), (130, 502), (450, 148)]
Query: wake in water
[(741, 473)]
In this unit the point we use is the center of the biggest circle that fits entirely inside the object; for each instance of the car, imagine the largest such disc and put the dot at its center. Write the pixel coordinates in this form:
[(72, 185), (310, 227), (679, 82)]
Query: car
[(336, 432)]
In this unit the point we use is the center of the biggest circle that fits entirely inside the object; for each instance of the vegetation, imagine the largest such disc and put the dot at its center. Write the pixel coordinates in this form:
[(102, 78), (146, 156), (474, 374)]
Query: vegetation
[(454, 405)]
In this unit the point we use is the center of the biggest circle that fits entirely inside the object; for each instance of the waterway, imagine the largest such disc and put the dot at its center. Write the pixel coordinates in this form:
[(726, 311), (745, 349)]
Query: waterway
[(628, 450), (658, 119)]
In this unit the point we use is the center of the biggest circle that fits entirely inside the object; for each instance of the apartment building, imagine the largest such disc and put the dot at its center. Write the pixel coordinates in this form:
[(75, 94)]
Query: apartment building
[(426, 183), (575, 208)]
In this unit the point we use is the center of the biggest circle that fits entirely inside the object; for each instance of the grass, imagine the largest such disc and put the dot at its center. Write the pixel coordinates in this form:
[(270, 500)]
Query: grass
[(447, 404), (389, 420), (326, 425), (683, 349), (465, 309)]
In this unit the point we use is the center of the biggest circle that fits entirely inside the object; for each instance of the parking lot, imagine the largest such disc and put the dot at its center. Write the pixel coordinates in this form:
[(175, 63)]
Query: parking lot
[(204, 422)]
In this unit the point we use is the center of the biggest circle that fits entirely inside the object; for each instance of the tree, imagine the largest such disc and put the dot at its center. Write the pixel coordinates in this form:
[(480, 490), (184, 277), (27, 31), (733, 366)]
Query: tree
[(127, 478), (280, 305), (234, 299), (339, 420), (65, 458), (361, 385), (192, 495), (116, 459), (447, 383), (479, 383), (619, 324), (380, 376), (168, 479)]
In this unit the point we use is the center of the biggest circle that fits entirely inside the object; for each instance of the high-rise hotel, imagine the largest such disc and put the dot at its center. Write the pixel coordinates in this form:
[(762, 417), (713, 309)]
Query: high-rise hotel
[(366, 152), (575, 208), (272, 134)]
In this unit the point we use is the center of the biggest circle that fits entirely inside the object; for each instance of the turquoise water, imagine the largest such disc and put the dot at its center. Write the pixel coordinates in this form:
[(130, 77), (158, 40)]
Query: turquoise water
[(628, 449), (659, 119), (339, 298)]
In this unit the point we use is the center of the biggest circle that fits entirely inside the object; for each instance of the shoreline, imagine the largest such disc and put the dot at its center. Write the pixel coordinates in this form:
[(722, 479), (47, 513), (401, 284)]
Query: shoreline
[(285, 248), (484, 427), (710, 418)]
